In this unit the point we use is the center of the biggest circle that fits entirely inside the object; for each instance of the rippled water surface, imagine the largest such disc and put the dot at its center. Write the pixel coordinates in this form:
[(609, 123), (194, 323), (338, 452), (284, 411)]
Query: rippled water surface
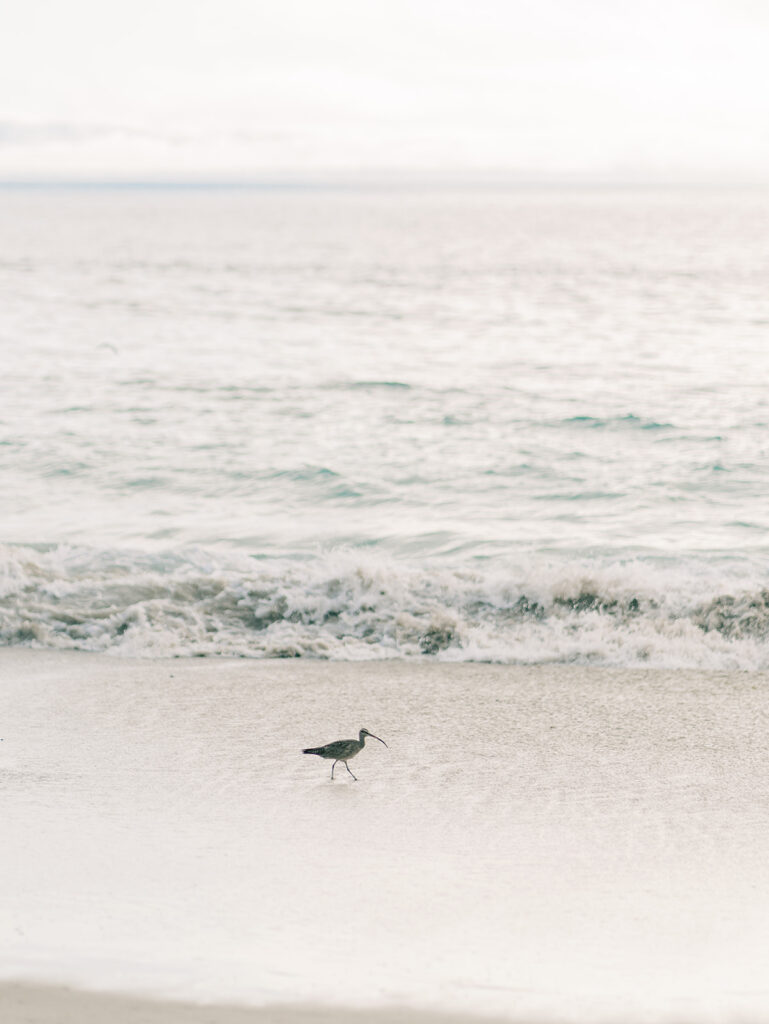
[(520, 426)]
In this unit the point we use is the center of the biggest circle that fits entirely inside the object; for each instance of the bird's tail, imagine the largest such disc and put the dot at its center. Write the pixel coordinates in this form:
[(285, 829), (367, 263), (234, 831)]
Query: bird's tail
[(312, 750)]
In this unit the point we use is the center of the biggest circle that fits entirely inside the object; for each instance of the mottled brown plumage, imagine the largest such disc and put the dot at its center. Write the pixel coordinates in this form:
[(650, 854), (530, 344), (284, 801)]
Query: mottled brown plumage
[(343, 750)]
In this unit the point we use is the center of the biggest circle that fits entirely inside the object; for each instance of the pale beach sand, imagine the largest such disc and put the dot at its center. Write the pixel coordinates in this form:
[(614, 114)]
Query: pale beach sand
[(554, 843), (42, 1004)]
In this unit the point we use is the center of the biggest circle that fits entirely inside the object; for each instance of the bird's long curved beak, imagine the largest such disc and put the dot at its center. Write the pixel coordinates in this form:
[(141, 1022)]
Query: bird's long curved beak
[(373, 737)]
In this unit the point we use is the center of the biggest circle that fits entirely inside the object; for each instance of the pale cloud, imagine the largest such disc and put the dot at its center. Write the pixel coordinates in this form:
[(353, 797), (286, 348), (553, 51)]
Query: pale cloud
[(235, 89), (43, 133)]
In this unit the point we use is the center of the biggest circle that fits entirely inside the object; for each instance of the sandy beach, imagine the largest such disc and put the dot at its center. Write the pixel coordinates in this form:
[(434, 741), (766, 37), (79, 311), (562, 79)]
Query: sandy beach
[(38, 1004), (556, 843)]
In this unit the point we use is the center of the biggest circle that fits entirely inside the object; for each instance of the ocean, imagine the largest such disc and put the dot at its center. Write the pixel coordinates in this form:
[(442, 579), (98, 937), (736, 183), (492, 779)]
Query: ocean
[(520, 426), (492, 466)]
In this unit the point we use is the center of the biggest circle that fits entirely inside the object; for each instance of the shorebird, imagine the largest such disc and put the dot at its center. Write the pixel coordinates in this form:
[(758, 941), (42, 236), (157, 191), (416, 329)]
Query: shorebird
[(342, 750)]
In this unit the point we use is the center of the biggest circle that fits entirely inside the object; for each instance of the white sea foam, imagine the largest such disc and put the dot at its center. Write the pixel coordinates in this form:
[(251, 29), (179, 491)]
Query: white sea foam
[(345, 605)]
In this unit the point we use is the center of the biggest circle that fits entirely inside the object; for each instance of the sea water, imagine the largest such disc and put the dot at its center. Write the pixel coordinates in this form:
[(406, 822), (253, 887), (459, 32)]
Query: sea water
[(520, 425)]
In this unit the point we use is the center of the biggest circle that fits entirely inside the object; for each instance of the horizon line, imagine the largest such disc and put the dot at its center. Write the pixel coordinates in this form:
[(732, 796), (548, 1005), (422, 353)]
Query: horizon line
[(383, 182)]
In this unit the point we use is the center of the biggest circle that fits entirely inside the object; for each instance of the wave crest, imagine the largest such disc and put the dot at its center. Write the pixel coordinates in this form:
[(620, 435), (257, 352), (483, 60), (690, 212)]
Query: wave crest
[(343, 605)]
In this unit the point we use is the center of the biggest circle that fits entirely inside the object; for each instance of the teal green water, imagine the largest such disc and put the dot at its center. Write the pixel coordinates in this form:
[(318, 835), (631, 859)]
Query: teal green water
[(525, 425)]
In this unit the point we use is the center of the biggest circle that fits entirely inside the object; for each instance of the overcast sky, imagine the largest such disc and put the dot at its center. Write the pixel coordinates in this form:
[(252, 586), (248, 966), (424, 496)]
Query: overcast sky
[(262, 89)]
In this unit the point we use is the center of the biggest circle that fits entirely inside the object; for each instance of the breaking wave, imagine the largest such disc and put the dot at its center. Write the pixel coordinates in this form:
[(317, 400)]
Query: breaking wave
[(344, 605)]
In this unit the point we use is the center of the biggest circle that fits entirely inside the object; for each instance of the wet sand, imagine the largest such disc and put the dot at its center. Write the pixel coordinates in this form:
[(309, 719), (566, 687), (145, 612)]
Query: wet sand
[(41, 1004), (555, 843)]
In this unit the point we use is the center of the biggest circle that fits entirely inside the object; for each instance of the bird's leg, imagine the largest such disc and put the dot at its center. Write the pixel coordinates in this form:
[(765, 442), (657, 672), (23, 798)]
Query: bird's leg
[(333, 766), (348, 769)]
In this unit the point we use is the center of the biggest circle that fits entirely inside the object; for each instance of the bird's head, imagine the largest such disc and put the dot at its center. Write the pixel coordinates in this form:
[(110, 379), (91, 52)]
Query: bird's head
[(365, 732)]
